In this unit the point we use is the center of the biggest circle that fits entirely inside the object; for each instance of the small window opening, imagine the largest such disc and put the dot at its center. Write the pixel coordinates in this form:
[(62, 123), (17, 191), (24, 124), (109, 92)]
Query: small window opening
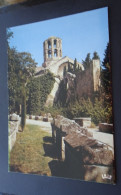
[(49, 44), (49, 54), (55, 53), (55, 43)]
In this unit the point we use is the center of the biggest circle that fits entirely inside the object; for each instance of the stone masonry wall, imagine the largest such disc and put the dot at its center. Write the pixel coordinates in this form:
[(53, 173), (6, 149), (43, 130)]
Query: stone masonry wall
[(88, 81), (84, 84)]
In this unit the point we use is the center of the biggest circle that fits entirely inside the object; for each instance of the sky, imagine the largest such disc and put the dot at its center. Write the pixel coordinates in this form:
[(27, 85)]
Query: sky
[(81, 33)]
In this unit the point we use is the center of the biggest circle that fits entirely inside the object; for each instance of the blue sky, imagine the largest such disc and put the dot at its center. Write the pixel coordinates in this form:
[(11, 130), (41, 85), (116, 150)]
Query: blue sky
[(80, 33)]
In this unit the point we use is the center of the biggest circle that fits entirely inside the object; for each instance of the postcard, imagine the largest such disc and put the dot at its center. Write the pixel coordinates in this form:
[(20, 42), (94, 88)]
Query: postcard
[(60, 98)]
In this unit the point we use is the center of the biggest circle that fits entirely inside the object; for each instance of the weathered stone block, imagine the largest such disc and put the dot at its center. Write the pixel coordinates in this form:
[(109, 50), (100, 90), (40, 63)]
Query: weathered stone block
[(106, 128), (84, 122), (74, 127), (12, 140), (62, 127), (31, 117), (13, 126), (14, 117), (89, 160), (100, 174), (45, 119), (13, 129), (50, 120), (36, 117), (68, 126), (88, 150)]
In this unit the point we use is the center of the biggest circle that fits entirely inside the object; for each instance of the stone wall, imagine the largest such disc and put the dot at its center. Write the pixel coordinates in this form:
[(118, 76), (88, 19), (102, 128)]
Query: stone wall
[(88, 81), (13, 127), (85, 83)]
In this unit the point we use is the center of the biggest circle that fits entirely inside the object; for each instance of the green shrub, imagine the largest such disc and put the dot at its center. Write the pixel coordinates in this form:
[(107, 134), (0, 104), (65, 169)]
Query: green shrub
[(92, 125), (53, 110), (85, 108)]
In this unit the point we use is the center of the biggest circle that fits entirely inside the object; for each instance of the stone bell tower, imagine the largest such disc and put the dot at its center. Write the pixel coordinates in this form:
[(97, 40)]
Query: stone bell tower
[(52, 48)]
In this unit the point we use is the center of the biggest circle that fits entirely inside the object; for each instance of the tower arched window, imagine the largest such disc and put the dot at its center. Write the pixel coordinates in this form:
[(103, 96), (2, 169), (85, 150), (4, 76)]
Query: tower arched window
[(55, 43), (49, 45), (49, 54), (55, 52)]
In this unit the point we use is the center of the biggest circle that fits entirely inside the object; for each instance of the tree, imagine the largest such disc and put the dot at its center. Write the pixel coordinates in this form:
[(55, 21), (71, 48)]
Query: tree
[(69, 67), (33, 102), (106, 82), (9, 35), (38, 90), (95, 56), (21, 68), (75, 65), (86, 63), (106, 72), (12, 79), (27, 64), (64, 71), (23, 110)]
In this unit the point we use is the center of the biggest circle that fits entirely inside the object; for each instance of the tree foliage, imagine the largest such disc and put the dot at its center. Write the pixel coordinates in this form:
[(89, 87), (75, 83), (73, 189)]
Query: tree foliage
[(62, 95), (106, 81), (86, 108), (106, 72), (86, 63), (21, 68), (38, 91), (95, 56), (73, 68)]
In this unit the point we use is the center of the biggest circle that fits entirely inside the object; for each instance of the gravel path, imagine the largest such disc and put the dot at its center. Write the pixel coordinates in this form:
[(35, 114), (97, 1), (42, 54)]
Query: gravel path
[(46, 126), (103, 137)]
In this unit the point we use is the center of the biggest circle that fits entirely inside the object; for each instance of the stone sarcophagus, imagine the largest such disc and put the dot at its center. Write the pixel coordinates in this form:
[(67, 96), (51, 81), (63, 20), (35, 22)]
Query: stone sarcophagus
[(84, 122), (14, 122), (61, 127), (88, 159), (106, 128), (85, 157)]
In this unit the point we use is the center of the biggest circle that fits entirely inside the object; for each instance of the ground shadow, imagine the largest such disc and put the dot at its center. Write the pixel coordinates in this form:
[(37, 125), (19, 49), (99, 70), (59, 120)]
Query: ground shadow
[(50, 150), (48, 139), (58, 168)]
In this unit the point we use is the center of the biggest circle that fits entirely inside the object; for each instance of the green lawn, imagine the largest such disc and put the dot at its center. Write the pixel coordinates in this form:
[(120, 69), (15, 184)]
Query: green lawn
[(28, 154)]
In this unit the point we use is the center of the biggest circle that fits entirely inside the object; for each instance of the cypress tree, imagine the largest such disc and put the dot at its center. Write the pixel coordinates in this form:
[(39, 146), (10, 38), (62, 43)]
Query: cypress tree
[(23, 111), (75, 64), (64, 71), (69, 67), (95, 56), (86, 63)]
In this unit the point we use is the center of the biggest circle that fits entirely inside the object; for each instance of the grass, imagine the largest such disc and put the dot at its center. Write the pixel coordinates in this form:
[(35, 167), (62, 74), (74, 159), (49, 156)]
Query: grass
[(28, 155)]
